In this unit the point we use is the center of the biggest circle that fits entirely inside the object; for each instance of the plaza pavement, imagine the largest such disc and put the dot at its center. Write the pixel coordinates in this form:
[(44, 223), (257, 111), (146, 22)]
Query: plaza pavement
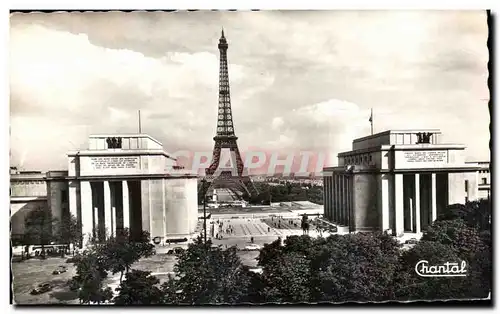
[(30, 273)]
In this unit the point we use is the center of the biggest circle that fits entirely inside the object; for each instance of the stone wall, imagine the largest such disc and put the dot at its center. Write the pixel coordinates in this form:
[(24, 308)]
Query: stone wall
[(365, 202), (19, 212)]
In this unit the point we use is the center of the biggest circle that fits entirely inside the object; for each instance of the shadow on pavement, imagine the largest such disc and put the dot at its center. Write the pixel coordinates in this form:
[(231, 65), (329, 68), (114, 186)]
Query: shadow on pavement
[(64, 295)]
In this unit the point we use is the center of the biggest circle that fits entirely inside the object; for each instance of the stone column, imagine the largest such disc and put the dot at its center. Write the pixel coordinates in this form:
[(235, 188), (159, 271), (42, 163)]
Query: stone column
[(327, 196), (113, 218), (337, 199), (434, 198), (349, 202), (417, 203), (412, 210), (341, 200), (331, 197), (107, 210), (87, 211), (335, 188), (73, 198), (385, 202), (126, 206), (346, 200), (399, 204), (95, 232)]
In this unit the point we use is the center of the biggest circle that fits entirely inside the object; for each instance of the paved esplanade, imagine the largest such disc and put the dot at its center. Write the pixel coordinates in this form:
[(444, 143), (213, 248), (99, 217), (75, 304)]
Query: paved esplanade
[(239, 231), (247, 227)]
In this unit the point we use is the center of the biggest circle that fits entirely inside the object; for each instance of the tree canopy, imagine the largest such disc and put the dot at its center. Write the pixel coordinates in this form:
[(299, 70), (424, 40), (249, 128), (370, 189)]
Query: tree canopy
[(115, 255), (39, 225), (139, 287), (359, 267), (209, 275)]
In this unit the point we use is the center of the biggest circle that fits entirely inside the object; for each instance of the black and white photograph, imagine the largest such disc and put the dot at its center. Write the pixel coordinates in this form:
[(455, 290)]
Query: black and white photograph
[(249, 157)]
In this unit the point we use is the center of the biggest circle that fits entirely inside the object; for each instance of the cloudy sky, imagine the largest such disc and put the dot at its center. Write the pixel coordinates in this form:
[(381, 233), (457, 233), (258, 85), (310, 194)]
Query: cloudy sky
[(299, 80)]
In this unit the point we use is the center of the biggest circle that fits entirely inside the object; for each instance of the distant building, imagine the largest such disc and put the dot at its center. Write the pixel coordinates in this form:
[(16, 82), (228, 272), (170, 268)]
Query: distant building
[(121, 181), (397, 181), (28, 191), (484, 178)]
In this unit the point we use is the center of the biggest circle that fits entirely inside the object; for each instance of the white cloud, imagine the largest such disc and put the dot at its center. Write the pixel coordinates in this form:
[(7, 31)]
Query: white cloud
[(325, 111), (64, 75), (277, 123), (299, 80)]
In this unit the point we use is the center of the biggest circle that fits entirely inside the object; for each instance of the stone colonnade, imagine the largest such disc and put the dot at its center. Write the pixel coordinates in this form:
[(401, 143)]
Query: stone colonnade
[(105, 208), (339, 198), (408, 202), (415, 202)]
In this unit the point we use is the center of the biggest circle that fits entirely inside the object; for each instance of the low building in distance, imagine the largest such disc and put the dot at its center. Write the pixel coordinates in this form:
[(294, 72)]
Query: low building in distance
[(484, 180), (28, 191), (398, 182)]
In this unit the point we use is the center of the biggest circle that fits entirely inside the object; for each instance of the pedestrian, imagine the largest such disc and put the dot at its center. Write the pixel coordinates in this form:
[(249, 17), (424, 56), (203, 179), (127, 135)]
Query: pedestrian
[(268, 229)]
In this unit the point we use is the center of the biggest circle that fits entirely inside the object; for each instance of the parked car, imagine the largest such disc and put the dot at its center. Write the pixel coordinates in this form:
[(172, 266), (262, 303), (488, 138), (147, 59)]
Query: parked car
[(178, 250), (59, 270), (252, 247), (42, 288)]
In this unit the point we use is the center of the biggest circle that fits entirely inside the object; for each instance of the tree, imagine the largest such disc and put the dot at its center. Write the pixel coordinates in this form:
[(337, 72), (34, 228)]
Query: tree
[(302, 244), (68, 230), (91, 270), (458, 235), (114, 255), (354, 267), (410, 286), (269, 252), (449, 241), (171, 293), (341, 268), (38, 228), (139, 287), (256, 287), (206, 275), (476, 214), (122, 251), (287, 279)]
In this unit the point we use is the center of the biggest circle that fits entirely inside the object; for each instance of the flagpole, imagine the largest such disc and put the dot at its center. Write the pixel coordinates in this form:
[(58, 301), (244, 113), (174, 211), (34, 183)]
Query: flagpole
[(371, 120), (140, 122)]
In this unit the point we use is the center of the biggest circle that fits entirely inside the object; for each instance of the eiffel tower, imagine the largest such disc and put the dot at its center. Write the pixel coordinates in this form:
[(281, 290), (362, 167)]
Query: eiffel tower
[(233, 179)]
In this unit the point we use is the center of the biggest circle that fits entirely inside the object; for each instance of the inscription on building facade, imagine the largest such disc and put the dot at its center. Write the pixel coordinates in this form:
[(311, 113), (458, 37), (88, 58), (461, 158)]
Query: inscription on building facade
[(115, 162), (426, 156)]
